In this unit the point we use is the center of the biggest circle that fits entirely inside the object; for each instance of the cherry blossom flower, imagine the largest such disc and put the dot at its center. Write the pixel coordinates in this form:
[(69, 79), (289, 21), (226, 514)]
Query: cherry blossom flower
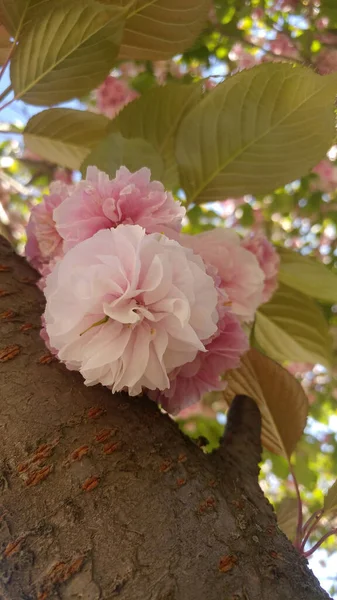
[(112, 95), (268, 260), (327, 62), (327, 173), (241, 277), (64, 175), (243, 58), (282, 46), (44, 243), (126, 308), (100, 203), (191, 381)]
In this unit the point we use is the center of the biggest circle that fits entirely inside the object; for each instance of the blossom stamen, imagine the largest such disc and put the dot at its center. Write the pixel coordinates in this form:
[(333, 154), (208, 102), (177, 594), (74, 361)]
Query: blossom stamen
[(101, 322)]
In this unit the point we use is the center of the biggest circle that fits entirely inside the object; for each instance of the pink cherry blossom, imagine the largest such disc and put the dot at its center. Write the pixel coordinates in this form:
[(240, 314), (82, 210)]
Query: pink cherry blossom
[(327, 62), (299, 368), (283, 46), (191, 381), (100, 203), (321, 24), (160, 70), (112, 95), (286, 5), (126, 308), (327, 173), (64, 175), (258, 14), (44, 243), (241, 276), (268, 260), (243, 58), (326, 38)]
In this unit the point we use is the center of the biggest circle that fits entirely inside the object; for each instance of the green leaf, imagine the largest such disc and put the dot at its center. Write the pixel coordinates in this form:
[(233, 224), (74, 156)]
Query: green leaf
[(159, 29), (307, 275), (330, 499), (256, 131), (287, 516), (280, 397), (64, 136), (291, 327), (155, 117), (66, 52), (305, 475), (14, 14), (5, 44), (115, 151), (279, 464)]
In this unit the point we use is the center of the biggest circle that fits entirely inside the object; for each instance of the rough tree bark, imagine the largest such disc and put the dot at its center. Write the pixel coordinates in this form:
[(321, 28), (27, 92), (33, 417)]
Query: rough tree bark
[(103, 497)]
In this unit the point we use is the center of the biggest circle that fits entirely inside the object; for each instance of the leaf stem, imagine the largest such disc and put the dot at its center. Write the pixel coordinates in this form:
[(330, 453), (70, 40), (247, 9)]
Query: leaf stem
[(7, 104), (309, 529), (299, 527), (9, 56), (5, 93), (311, 518), (319, 543)]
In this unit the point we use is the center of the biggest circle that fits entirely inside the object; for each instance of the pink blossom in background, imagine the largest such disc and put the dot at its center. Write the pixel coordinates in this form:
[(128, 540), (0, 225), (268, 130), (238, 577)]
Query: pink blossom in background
[(227, 207), (286, 5), (112, 95), (160, 70), (210, 84), (196, 410), (282, 46), (29, 155), (130, 69), (126, 309), (268, 260), (327, 62), (299, 368), (212, 16), (322, 24), (327, 38), (43, 241), (98, 202), (241, 276), (327, 173), (258, 14), (242, 57), (64, 175), (191, 381)]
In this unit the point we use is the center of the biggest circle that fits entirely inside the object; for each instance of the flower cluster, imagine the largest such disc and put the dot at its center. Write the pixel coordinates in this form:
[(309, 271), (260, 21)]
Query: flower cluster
[(134, 304), (112, 95), (327, 176)]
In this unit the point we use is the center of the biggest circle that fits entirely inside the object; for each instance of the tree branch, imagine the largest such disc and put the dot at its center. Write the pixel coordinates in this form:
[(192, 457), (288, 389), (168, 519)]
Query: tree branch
[(241, 443)]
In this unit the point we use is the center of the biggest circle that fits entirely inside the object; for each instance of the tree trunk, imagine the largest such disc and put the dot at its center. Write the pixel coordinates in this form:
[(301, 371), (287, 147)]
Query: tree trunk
[(103, 497)]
